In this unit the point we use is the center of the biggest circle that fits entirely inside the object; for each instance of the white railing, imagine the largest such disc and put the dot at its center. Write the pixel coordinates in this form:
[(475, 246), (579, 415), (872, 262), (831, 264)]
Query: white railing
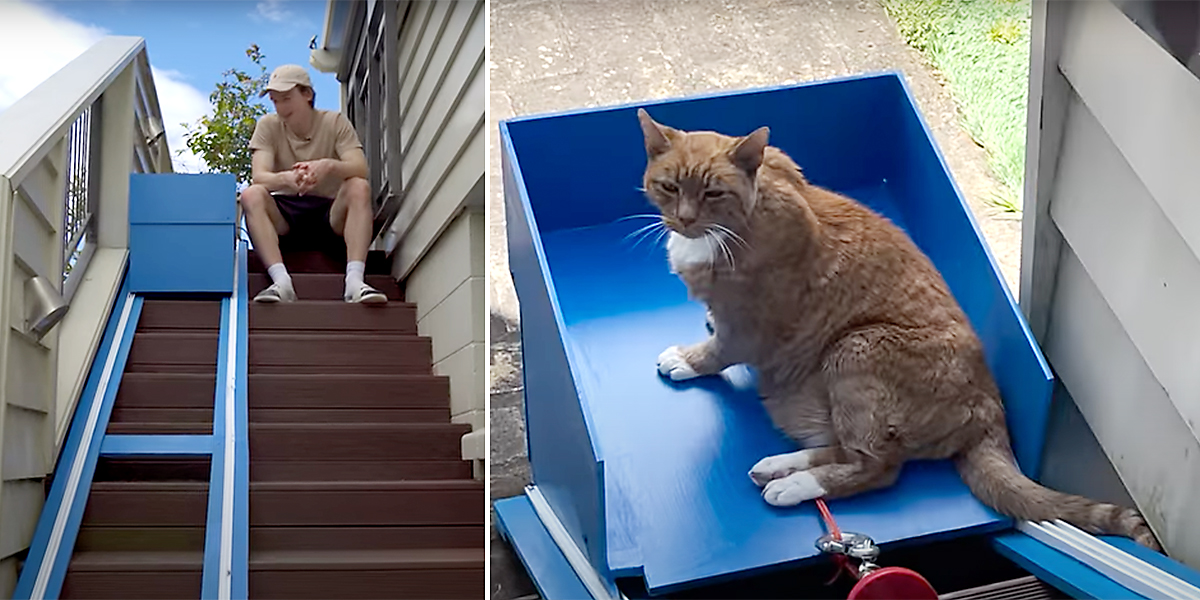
[(66, 152)]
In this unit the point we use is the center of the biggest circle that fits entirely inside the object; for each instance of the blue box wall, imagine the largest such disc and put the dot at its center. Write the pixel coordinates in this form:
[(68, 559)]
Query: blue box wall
[(181, 232), (648, 477)]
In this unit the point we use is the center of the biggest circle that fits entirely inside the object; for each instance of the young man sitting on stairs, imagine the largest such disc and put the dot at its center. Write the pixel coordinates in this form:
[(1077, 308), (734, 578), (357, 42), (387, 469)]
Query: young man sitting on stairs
[(309, 179)]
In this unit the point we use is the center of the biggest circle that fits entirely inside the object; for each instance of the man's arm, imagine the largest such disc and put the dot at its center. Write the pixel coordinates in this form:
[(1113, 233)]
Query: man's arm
[(260, 173), (352, 164)]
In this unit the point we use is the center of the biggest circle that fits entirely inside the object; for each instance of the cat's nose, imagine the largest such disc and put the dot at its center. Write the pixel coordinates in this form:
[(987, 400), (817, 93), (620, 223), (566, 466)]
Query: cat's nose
[(687, 221)]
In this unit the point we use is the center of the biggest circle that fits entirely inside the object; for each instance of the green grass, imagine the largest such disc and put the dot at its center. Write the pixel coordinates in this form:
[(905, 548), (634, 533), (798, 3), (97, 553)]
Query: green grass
[(981, 49)]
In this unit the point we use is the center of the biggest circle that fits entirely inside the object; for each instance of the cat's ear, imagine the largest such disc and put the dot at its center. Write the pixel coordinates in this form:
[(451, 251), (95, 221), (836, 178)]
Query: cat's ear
[(748, 154), (657, 142)]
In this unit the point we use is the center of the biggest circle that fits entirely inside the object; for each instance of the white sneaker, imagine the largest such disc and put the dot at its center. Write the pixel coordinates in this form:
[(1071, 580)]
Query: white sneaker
[(276, 293), (365, 294)]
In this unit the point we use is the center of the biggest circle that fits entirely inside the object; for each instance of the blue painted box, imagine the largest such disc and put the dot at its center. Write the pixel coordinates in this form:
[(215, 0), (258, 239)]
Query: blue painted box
[(182, 232), (649, 478)]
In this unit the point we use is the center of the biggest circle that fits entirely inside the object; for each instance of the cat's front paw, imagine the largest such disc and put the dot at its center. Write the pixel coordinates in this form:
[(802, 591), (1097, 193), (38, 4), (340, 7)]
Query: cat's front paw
[(777, 467), (793, 489), (673, 365)]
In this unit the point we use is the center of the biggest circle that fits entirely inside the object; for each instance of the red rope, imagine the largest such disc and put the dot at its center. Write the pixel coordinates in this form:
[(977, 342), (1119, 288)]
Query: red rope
[(842, 560)]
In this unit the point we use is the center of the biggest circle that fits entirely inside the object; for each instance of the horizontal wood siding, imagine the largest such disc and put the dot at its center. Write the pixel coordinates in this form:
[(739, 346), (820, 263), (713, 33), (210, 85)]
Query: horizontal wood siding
[(1114, 257), (442, 104)]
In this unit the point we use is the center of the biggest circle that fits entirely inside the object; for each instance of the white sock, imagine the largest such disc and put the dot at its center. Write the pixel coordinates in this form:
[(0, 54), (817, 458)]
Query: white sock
[(280, 275), (354, 274)]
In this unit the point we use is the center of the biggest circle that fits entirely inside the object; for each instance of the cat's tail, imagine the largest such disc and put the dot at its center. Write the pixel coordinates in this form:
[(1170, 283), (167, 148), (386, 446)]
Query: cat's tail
[(990, 470)]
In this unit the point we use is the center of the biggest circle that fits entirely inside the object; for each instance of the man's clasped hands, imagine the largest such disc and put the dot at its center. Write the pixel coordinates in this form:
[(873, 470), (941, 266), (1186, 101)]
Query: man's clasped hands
[(304, 176)]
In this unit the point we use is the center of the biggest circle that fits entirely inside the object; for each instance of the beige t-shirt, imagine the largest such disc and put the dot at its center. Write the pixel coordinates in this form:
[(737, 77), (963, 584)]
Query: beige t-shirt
[(332, 136)]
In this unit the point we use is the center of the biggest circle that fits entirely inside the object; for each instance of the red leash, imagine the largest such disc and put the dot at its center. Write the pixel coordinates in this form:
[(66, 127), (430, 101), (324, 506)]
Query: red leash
[(842, 560), (874, 583)]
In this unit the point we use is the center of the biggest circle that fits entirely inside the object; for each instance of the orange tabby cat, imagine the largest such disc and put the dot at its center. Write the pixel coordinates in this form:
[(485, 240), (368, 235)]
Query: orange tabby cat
[(863, 355)]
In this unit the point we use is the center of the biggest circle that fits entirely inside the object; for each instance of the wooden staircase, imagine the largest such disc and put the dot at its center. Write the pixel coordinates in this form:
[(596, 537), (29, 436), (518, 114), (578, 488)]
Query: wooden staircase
[(357, 486)]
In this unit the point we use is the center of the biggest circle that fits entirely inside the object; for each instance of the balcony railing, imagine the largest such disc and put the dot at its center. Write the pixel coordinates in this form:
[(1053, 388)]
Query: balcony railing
[(68, 149)]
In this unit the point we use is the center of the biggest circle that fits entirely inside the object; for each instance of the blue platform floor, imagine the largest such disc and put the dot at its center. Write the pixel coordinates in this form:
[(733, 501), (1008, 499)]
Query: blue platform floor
[(681, 509)]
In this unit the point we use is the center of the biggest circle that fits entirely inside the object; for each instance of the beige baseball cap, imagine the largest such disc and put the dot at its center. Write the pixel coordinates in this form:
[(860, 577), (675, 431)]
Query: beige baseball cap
[(286, 77)]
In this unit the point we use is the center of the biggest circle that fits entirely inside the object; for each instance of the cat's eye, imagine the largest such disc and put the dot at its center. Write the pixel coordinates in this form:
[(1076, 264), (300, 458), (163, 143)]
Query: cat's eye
[(713, 194), (668, 187)]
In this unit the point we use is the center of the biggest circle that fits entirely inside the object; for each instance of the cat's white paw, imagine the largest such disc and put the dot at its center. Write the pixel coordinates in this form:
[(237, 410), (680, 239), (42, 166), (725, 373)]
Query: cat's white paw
[(740, 377), (793, 489), (779, 466), (672, 364)]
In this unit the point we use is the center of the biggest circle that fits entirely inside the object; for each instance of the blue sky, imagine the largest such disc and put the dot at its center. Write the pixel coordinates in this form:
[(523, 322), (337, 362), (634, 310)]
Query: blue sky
[(190, 43)]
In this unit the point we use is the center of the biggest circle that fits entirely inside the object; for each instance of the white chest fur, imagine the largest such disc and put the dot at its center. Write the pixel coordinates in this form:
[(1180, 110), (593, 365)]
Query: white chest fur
[(684, 252)]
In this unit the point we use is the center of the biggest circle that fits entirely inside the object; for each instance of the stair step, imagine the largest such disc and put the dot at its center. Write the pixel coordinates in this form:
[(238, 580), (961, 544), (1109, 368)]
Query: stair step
[(326, 392), (333, 316), (161, 427), (189, 539), (342, 503), (174, 468), (331, 261), (344, 391), (437, 573), (350, 415), (180, 314), (122, 415), (196, 352), (364, 560), (200, 419), (424, 573), (428, 584), (142, 503), (339, 353), (137, 469), (173, 352), (357, 441), (325, 286), (140, 539), (165, 390), (359, 470), (366, 538), (134, 575), (331, 441)]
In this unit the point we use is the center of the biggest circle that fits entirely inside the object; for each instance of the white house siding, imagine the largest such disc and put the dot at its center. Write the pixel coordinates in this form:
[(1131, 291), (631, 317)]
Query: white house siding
[(1110, 272)]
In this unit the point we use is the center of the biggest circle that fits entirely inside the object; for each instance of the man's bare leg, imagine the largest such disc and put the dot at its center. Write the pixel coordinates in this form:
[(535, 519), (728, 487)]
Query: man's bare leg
[(266, 224), (351, 217)]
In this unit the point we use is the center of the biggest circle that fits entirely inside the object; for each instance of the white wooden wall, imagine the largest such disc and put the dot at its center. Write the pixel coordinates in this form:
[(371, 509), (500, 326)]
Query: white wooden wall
[(437, 238), (1111, 261), (442, 142)]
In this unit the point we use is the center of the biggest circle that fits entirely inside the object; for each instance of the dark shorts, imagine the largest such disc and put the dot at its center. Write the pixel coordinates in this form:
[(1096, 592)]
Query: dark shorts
[(306, 216)]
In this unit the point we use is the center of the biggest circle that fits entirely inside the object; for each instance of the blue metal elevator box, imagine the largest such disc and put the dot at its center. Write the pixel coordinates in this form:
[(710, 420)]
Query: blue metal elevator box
[(181, 232), (648, 476)]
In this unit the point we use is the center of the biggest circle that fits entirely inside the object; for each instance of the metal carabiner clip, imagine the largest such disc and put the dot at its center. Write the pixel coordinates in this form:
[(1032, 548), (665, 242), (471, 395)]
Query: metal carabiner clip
[(852, 545)]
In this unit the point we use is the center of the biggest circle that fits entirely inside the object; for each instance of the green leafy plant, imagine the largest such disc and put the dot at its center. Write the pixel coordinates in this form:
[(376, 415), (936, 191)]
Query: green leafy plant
[(223, 139), (980, 51)]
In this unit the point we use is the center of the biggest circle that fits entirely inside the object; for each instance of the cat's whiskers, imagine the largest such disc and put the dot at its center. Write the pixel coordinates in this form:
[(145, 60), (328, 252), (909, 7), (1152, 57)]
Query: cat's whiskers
[(639, 216), (732, 235), (720, 236), (642, 232), (661, 234)]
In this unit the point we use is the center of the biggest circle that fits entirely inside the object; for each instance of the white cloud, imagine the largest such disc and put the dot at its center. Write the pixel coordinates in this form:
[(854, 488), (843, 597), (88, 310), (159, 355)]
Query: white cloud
[(272, 10), (25, 26), (180, 103), (45, 43)]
